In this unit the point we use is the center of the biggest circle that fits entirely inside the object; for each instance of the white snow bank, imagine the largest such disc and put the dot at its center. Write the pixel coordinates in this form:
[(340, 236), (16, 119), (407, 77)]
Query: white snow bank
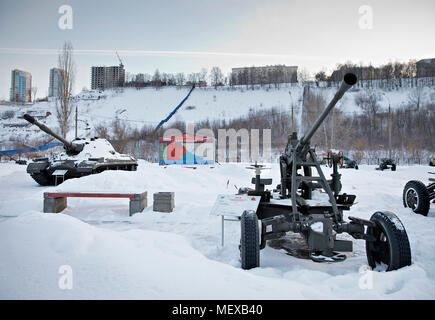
[(174, 256), (94, 148)]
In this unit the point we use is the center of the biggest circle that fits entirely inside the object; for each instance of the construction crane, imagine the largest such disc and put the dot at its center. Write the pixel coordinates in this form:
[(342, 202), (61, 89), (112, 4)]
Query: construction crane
[(120, 61)]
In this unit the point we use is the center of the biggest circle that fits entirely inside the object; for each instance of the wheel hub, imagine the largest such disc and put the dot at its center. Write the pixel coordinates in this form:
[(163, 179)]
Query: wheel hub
[(412, 199), (381, 249)]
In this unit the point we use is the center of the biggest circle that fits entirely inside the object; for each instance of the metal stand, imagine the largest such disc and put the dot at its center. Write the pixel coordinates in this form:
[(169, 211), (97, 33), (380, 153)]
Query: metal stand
[(59, 173), (223, 227)]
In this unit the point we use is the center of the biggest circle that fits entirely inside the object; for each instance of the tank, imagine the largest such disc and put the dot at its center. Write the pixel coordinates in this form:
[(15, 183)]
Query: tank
[(81, 157)]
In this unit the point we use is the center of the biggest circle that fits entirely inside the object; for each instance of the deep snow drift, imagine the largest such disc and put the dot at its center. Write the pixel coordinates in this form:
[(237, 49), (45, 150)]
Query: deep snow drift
[(178, 255)]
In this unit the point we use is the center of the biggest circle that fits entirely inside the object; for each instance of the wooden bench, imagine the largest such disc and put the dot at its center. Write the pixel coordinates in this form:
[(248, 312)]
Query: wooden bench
[(55, 202)]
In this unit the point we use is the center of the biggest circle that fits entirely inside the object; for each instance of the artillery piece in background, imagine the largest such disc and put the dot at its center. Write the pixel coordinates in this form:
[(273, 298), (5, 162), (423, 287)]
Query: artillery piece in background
[(82, 157), (290, 207), (418, 196), (387, 163), (344, 162)]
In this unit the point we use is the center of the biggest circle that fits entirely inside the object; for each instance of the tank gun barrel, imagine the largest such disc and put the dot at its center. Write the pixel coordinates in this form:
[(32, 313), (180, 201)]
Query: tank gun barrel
[(74, 148), (348, 81)]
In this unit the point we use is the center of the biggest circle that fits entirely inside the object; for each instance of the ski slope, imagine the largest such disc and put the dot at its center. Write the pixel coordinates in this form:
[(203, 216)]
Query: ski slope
[(177, 255)]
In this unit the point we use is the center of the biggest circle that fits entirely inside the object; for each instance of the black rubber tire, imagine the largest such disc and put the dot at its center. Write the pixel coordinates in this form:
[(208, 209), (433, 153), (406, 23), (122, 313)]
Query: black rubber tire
[(392, 245), (393, 167), (421, 195), (250, 240)]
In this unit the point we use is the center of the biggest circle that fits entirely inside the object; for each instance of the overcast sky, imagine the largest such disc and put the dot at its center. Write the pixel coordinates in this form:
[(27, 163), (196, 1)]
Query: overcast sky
[(186, 35)]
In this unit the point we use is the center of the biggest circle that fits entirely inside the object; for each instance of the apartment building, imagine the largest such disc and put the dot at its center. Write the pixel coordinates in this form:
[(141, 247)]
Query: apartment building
[(21, 86), (426, 68), (55, 82), (107, 77)]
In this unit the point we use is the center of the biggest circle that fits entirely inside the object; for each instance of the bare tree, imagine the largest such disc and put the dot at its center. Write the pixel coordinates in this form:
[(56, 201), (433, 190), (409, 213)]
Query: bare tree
[(416, 96), (411, 69), (129, 77), (320, 76), (165, 78), (216, 77), (388, 70), (368, 101), (121, 133), (231, 80), (179, 78), (171, 80), (146, 77), (192, 78), (34, 91), (203, 75), (157, 81), (303, 75), (63, 104)]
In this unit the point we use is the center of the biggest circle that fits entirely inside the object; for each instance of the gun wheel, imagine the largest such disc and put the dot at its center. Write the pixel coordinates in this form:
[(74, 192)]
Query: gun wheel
[(416, 197), (250, 240), (391, 247)]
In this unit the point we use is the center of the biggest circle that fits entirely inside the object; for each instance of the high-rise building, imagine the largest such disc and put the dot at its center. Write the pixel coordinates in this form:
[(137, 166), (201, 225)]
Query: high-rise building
[(55, 82), (107, 77), (426, 68), (21, 86), (263, 75)]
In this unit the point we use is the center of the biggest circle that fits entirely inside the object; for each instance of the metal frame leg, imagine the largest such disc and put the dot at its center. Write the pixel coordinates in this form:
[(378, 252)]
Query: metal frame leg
[(223, 231)]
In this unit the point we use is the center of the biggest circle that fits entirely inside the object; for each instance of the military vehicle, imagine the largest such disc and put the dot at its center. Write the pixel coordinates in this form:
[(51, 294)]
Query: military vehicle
[(82, 157), (349, 164), (291, 207), (417, 196), (345, 162), (387, 163)]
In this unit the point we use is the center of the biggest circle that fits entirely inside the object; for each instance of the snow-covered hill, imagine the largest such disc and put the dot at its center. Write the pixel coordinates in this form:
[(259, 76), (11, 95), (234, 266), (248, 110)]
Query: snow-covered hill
[(177, 255), (150, 106)]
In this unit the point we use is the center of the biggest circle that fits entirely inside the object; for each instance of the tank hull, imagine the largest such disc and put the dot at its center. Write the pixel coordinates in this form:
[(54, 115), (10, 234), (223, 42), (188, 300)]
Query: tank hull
[(42, 171)]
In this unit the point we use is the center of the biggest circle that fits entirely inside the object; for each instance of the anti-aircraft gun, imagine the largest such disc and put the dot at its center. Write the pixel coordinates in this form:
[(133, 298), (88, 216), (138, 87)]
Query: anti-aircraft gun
[(290, 207), (82, 157)]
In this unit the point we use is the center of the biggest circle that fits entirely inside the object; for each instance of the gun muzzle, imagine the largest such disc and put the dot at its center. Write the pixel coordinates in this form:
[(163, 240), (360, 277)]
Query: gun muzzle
[(348, 81), (29, 118)]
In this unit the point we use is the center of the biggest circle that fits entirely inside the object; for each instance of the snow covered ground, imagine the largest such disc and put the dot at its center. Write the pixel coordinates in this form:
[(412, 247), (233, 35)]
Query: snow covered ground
[(178, 255), (149, 106)]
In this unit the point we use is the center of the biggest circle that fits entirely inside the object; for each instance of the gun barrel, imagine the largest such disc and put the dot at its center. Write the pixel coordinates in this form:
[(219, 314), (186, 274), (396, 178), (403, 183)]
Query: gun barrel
[(44, 128), (348, 81)]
